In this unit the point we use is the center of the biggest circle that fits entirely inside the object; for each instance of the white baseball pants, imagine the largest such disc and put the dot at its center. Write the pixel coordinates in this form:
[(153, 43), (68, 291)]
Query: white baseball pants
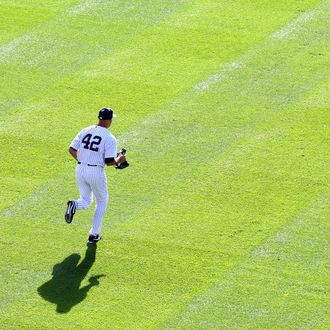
[(92, 181)]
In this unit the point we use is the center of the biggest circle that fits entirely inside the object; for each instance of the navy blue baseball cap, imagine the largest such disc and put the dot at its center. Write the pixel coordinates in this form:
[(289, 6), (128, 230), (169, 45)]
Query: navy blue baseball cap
[(106, 114)]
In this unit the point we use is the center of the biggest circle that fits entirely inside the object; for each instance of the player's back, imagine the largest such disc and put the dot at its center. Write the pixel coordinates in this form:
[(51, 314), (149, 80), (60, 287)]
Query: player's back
[(94, 144)]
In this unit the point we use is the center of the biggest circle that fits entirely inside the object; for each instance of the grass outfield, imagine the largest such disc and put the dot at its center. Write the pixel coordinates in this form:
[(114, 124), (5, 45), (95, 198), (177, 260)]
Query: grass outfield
[(222, 219)]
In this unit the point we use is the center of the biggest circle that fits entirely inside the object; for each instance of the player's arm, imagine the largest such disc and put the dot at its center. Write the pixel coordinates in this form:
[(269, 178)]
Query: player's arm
[(111, 156), (110, 161), (75, 145), (73, 152)]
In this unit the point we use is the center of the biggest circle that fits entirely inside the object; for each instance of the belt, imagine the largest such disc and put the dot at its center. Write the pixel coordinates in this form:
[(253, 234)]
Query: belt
[(87, 164)]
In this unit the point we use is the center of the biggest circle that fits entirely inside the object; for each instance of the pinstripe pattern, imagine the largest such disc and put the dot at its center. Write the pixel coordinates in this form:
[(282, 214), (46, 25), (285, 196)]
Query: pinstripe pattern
[(101, 140), (94, 144)]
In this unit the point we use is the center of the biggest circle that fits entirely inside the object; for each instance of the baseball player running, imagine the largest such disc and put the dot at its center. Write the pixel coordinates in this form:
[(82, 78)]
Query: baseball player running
[(94, 147)]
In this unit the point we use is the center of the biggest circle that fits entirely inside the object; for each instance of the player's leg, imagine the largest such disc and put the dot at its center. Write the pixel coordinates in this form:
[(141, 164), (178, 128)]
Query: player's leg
[(85, 192), (84, 188), (100, 190)]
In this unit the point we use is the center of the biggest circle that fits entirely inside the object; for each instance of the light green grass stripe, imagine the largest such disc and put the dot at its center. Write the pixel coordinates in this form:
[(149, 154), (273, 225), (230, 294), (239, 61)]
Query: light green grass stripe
[(295, 25), (281, 284)]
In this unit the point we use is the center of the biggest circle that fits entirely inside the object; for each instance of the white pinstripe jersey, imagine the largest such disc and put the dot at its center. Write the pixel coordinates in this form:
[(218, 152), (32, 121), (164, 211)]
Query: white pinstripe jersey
[(94, 144)]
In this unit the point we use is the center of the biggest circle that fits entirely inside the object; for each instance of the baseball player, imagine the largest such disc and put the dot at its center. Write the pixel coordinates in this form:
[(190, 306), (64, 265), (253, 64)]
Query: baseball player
[(94, 148)]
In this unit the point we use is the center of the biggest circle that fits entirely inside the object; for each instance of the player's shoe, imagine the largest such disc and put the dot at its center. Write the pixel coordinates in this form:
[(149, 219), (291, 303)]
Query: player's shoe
[(92, 239), (70, 211)]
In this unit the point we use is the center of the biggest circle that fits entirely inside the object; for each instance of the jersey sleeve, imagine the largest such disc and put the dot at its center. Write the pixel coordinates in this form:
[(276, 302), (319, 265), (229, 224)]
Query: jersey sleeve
[(76, 142), (110, 148)]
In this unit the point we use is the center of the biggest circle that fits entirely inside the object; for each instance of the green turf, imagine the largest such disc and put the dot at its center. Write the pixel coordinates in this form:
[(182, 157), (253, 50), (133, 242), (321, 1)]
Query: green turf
[(222, 219)]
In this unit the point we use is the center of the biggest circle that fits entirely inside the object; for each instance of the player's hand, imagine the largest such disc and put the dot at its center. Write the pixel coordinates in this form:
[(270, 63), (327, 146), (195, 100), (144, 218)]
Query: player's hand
[(120, 159)]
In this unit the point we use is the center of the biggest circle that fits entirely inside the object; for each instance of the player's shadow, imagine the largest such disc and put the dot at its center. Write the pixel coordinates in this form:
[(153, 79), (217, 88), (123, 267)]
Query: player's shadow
[(64, 288)]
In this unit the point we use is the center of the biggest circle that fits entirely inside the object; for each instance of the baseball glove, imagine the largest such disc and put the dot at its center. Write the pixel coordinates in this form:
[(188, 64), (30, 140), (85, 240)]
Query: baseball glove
[(123, 165)]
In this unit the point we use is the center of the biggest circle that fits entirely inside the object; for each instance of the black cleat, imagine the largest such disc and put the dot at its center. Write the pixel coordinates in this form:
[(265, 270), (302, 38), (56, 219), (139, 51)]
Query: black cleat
[(93, 239), (70, 211)]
